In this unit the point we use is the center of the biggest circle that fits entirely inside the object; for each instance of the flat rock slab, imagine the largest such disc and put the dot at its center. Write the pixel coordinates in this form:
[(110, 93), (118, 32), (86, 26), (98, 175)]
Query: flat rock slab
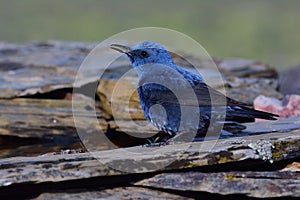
[(282, 125), (252, 184), (41, 67), (138, 160), (37, 126), (39, 118), (115, 193)]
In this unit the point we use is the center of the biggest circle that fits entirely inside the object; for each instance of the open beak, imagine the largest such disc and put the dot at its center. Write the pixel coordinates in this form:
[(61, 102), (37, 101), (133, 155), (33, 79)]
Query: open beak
[(121, 48)]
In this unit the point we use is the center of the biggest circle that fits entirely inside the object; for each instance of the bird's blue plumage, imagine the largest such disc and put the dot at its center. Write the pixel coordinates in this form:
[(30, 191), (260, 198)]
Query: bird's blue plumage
[(159, 77)]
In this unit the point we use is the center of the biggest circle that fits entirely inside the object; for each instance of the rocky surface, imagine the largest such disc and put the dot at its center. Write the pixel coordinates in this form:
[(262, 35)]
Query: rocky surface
[(49, 125), (254, 184), (115, 193), (33, 68), (56, 144), (140, 162)]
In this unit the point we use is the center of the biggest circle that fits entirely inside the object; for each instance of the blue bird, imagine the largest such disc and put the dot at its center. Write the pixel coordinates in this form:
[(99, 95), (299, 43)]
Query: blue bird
[(177, 101)]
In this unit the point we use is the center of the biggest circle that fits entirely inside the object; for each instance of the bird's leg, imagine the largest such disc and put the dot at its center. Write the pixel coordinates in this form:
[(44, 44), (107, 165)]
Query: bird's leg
[(180, 138), (156, 141), (159, 139), (170, 139)]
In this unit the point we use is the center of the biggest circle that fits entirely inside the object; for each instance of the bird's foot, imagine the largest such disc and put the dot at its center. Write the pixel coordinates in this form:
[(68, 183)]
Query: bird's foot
[(158, 144)]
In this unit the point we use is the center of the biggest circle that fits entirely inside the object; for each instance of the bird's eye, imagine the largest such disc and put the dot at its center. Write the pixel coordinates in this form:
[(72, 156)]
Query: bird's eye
[(144, 54)]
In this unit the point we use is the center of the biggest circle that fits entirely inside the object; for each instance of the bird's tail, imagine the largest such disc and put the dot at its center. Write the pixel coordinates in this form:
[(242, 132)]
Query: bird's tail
[(245, 114), (261, 114)]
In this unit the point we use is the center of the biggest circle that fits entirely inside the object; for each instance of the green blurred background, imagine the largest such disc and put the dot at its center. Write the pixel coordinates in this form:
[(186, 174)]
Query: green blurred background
[(266, 30)]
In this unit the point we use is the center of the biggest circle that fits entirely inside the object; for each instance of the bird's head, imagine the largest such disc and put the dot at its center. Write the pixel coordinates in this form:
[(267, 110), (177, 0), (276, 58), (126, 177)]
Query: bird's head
[(145, 53)]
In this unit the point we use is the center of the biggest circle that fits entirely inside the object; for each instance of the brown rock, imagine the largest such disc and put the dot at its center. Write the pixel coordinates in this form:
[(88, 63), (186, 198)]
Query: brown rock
[(119, 98), (293, 167), (39, 126)]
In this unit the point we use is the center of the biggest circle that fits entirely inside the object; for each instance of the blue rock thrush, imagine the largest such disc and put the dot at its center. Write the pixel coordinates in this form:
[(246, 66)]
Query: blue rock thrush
[(163, 90)]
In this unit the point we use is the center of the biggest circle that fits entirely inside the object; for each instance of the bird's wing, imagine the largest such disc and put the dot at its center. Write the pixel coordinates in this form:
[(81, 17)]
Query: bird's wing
[(185, 87), (200, 97), (205, 93)]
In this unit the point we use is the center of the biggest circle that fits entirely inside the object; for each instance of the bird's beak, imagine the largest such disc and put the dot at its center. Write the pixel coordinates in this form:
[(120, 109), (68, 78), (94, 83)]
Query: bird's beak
[(124, 49), (121, 48)]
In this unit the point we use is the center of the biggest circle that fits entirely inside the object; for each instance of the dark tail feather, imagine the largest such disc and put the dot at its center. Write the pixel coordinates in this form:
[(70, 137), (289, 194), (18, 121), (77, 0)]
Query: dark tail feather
[(245, 114), (261, 114)]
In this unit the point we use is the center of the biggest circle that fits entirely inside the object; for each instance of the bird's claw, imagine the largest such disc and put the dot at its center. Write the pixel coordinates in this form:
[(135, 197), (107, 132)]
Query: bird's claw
[(159, 144)]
